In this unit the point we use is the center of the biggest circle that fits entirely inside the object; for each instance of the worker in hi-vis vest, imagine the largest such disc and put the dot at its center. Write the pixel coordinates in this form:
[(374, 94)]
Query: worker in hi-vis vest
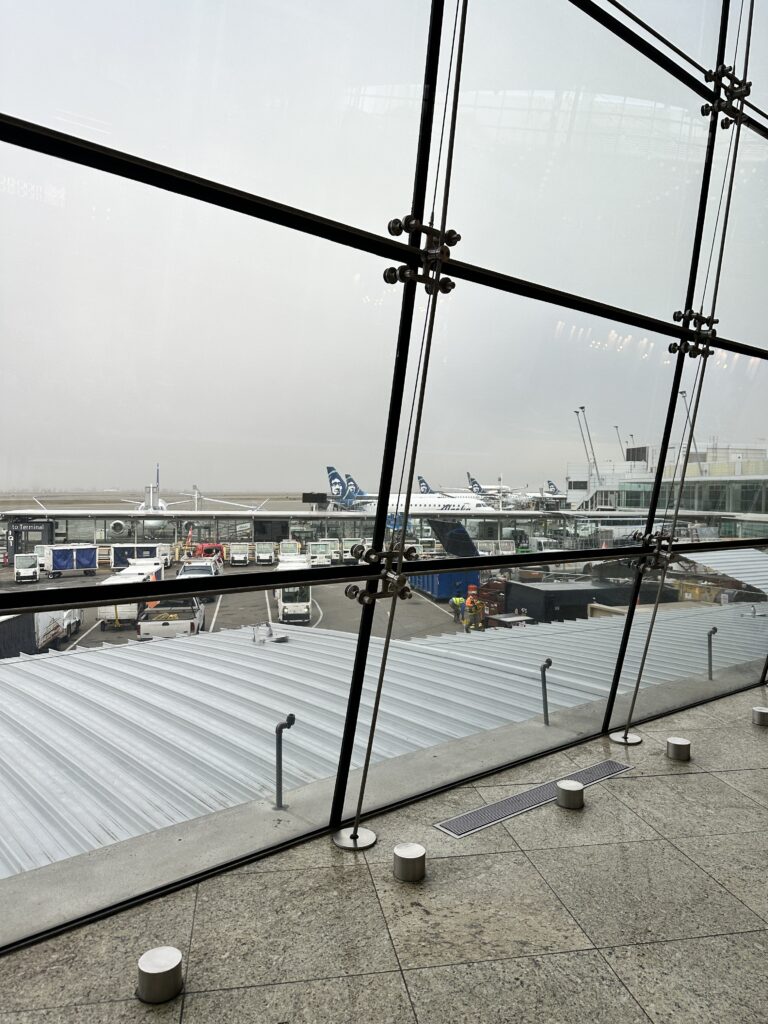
[(469, 612), (457, 607)]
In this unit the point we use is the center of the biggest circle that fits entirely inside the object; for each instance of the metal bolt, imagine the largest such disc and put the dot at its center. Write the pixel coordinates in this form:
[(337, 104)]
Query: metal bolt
[(759, 716)]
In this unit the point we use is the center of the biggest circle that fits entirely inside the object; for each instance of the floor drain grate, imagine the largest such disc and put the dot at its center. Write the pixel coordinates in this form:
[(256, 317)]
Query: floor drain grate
[(473, 821)]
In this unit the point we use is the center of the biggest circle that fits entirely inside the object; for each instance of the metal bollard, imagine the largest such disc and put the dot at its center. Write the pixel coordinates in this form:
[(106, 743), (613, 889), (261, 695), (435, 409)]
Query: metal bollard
[(710, 634), (759, 716), (570, 794), (409, 862), (289, 721), (545, 704), (160, 975), (678, 749)]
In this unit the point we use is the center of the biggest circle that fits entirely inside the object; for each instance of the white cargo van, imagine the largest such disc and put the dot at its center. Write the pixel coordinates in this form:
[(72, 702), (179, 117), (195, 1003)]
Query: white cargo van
[(26, 568)]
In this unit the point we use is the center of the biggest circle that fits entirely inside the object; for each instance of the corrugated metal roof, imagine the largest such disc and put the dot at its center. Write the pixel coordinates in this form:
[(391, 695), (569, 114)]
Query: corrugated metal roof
[(100, 745), (746, 564)]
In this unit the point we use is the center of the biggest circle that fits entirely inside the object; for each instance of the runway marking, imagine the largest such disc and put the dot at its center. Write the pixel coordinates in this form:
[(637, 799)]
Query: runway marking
[(215, 614), (430, 601), (269, 610), (85, 634), (316, 624)]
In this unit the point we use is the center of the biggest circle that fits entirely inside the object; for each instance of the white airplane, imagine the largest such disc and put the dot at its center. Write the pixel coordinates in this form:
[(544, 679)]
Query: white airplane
[(486, 488), (348, 495)]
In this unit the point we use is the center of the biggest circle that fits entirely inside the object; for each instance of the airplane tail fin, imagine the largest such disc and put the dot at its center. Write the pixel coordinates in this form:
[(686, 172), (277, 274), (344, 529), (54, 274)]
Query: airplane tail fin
[(553, 488), (424, 486), (338, 487), (354, 490), (474, 484)]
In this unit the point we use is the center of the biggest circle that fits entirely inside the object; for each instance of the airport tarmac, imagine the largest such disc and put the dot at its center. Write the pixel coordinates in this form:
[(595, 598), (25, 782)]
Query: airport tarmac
[(331, 609), (107, 499)]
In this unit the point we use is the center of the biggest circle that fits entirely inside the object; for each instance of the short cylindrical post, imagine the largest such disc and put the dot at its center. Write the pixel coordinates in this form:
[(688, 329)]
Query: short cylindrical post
[(678, 749), (290, 719), (570, 794), (409, 862), (759, 716), (545, 705), (160, 975), (710, 634)]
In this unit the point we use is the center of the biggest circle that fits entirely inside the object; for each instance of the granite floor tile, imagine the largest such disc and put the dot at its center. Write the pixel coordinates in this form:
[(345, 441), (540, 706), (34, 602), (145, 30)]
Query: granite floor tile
[(126, 1012), (477, 907), (738, 862), (648, 758), (268, 927), (575, 987), (373, 998), (753, 783), (640, 892), (720, 980), (543, 769), (738, 706), (97, 962), (736, 746), (691, 805), (704, 717), (318, 853), (603, 819), (416, 824)]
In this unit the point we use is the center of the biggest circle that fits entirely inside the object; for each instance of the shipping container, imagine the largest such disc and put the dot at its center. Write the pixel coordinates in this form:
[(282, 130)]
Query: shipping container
[(443, 585)]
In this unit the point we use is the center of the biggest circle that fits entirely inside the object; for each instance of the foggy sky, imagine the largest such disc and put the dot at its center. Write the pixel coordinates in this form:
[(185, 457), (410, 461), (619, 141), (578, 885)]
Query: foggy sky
[(138, 326)]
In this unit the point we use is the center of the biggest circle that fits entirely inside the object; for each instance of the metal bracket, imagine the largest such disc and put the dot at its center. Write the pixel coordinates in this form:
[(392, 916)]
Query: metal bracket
[(393, 583), (437, 250), (703, 326), (733, 90), (661, 555)]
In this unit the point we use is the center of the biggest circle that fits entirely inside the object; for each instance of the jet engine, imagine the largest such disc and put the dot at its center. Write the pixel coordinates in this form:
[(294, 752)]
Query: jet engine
[(118, 527)]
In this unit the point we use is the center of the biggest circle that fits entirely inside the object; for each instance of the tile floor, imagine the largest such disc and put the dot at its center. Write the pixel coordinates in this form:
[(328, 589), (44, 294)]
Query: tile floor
[(651, 904)]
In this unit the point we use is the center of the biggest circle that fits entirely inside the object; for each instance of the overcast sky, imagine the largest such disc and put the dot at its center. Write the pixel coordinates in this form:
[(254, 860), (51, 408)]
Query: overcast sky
[(138, 326)]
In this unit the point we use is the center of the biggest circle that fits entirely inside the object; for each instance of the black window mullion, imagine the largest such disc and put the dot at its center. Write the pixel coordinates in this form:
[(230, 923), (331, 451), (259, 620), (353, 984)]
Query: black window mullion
[(395, 409), (676, 377)]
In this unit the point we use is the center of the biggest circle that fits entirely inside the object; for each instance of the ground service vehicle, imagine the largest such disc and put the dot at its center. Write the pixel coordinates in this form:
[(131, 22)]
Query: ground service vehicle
[(294, 602), (200, 567), (288, 549), (173, 616), (139, 571), (61, 558), (121, 554), (209, 549), (239, 554), (25, 568), (37, 632), (334, 546), (319, 552), (264, 552)]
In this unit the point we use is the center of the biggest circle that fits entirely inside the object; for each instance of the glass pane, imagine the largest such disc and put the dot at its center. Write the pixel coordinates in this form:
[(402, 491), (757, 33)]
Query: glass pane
[(710, 637), (464, 697), (289, 101), (691, 25), (143, 762), (148, 329), (582, 174), (745, 261), (726, 483), (541, 427)]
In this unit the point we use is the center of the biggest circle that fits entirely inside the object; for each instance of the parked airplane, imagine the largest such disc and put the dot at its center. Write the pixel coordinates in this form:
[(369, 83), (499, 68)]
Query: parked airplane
[(424, 488), (347, 494), (486, 488)]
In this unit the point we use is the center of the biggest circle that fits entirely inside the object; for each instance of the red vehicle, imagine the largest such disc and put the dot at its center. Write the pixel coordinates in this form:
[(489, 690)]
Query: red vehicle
[(208, 549)]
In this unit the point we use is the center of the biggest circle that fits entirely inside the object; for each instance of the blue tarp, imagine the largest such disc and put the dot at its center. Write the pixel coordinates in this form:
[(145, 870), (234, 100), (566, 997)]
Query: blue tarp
[(62, 558), (85, 558)]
